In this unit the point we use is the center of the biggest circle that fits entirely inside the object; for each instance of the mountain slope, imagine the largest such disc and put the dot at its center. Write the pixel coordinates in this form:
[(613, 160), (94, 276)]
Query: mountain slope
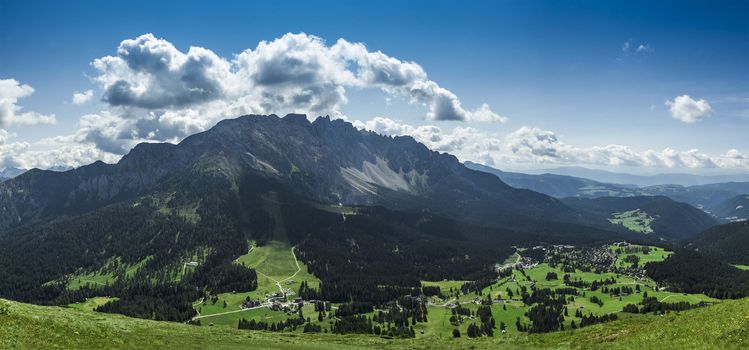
[(726, 242), (732, 209), (24, 326), (327, 161), (665, 216), (363, 210)]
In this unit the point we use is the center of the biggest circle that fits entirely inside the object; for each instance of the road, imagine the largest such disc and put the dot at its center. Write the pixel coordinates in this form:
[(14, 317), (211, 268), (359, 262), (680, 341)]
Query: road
[(266, 304), (511, 264)]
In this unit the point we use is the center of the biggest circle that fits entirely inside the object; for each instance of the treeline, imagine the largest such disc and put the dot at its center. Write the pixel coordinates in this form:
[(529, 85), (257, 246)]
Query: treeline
[(290, 324), (579, 283), (651, 304), (691, 272)]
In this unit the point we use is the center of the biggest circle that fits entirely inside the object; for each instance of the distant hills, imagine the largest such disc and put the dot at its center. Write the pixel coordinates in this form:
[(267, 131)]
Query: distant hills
[(647, 214), (726, 201), (10, 172), (642, 180), (558, 185)]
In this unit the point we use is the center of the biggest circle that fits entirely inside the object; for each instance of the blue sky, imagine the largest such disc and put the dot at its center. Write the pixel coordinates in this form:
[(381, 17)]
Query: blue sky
[(576, 83)]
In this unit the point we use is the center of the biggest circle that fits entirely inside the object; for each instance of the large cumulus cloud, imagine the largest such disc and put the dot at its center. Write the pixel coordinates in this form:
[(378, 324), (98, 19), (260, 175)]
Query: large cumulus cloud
[(689, 110), (162, 93)]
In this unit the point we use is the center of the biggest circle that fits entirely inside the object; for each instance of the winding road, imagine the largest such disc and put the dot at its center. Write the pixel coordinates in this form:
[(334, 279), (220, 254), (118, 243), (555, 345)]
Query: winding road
[(266, 304)]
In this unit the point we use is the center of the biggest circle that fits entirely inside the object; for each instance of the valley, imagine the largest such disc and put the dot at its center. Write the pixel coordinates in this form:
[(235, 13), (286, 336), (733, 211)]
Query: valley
[(363, 243), (600, 281)]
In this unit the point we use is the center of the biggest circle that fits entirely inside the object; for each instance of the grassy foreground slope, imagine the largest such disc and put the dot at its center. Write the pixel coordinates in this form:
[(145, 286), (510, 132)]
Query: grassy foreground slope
[(24, 326)]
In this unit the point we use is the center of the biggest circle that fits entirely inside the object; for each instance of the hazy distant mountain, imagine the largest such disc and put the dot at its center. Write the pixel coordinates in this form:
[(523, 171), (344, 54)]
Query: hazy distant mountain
[(558, 185), (642, 180), (10, 172), (714, 198), (732, 209), (700, 196)]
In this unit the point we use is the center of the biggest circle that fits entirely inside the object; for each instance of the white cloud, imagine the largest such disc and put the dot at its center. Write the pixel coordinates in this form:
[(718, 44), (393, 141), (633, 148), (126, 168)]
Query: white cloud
[(151, 73), (80, 98), (630, 47), (644, 48), (529, 145), (11, 113), (688, 110), (62, 151), (21, 155), (157, 92), (162, 93)]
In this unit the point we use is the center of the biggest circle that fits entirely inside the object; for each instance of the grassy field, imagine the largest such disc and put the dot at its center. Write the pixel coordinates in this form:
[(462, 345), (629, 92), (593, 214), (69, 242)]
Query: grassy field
[(512, 307), (91, 303), (273, 262), (656, 254), (276, 258), (634, 220), (24, 326), (93, 279), (445, 286), (112, 270)]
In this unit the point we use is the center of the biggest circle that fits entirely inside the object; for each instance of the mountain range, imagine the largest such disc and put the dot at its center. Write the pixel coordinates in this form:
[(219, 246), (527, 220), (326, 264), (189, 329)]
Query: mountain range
[(642, 180), (721, 200), (348, 200), (371, 216)]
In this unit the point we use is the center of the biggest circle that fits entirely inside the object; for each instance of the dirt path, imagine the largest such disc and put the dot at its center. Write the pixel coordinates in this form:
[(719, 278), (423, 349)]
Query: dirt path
[(278, 283), (666, 298), (230, 312)]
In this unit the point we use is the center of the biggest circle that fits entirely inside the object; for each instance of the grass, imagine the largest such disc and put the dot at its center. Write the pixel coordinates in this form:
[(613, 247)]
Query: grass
[(91, 303), (276, 257), (24, 326), (444, 285), (634, 220), (536, 276), (273, 259), (656, 254), (511, 259), (93, 279), (273, 262), (112, 270)]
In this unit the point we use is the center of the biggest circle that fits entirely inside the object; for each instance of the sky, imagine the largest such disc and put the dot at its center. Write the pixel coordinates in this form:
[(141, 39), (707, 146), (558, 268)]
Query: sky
[(636, 86)]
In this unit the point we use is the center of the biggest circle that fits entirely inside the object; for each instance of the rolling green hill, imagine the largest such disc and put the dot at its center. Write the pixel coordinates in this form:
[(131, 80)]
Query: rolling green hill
[(24, 326), (647, 214)]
